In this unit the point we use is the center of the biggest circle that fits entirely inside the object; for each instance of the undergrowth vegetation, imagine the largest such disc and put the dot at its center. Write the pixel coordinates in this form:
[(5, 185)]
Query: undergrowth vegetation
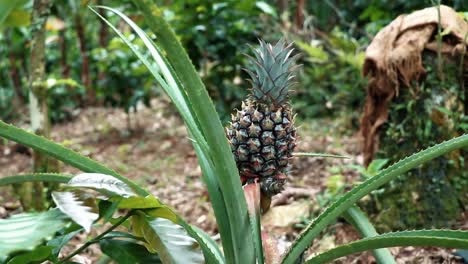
[(134, 226)]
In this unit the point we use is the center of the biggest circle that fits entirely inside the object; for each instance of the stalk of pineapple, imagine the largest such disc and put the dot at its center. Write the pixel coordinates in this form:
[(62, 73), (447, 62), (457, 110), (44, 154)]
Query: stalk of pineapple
[(262, 133)]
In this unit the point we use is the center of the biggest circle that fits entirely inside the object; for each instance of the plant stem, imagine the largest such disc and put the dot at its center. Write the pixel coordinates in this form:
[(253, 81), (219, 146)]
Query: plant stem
[(96, 239)]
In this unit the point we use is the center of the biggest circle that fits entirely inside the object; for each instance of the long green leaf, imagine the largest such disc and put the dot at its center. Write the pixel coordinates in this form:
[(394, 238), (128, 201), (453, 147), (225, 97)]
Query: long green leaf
[(438, 238), (358, 219), (26, 231), (35, 177), (169, 240), (225, 168), (216, 198), (61, 153), (160, 70), (348, 199)]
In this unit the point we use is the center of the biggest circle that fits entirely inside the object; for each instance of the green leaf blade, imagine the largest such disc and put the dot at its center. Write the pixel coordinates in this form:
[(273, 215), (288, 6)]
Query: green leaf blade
[(358, 219), (171, 241), (438, 238), (35, 177)]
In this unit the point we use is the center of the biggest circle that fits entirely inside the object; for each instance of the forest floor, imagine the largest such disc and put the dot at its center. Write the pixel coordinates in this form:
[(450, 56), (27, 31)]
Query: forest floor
[(158, 155)]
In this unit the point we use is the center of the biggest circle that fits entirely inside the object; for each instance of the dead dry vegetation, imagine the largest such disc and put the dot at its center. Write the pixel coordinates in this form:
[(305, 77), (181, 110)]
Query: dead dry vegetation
[(158, 155)]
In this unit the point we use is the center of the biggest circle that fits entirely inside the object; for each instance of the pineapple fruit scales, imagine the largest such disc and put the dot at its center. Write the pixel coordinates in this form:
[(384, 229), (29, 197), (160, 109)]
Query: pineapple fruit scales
[(262, 133)]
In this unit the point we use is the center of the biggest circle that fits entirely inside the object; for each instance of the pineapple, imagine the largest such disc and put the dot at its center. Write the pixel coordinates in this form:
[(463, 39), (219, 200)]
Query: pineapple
[(262, 133)]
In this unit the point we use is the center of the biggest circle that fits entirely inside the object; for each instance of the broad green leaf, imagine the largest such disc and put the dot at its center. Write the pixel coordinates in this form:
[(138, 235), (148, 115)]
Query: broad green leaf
[(103, 183), (347, 200), (38, 255), (163, 212), (35, 177), (26, 231), (6, 7), (358, 219), (61, 153), (18, 18), (69, 204), (127, 252), (218, 151), (59, 241), (107, 209), (437, 238), (316, 53), (138, 202), (169, 240), (266, 8)]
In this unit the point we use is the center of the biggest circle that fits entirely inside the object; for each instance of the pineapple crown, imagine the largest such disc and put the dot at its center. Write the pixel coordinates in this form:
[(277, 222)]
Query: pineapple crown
[(271, 72)]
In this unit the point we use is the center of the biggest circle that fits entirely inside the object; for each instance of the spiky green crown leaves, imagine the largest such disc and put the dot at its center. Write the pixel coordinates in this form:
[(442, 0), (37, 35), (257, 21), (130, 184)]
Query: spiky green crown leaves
[(271, 72)]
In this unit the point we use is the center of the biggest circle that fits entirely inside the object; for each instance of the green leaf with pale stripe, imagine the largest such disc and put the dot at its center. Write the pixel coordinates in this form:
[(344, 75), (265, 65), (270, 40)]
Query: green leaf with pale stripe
[(169, 240), (347, 200), (103, 183), (423, 238), (26, 231)]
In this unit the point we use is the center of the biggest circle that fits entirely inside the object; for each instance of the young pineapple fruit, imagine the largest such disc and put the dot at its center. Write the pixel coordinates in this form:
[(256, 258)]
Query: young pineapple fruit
[(262, 133)]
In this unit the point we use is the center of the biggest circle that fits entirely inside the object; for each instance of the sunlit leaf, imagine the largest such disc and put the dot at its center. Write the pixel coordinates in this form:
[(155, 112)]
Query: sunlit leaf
[(69, 204), (104, 183), (26, 231)]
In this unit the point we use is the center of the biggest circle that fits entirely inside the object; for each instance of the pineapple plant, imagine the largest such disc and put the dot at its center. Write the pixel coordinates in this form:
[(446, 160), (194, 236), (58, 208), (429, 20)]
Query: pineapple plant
[(262, 134)]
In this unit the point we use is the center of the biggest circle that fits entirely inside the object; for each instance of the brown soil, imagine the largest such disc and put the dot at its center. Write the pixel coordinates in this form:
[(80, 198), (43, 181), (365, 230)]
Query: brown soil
[(158, 155)]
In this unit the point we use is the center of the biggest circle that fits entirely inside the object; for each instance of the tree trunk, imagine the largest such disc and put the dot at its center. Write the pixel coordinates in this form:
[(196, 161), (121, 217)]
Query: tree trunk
[(300, 5), (282, 5), (19, 99), (40, 123), (103, 40), (85, 78)]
